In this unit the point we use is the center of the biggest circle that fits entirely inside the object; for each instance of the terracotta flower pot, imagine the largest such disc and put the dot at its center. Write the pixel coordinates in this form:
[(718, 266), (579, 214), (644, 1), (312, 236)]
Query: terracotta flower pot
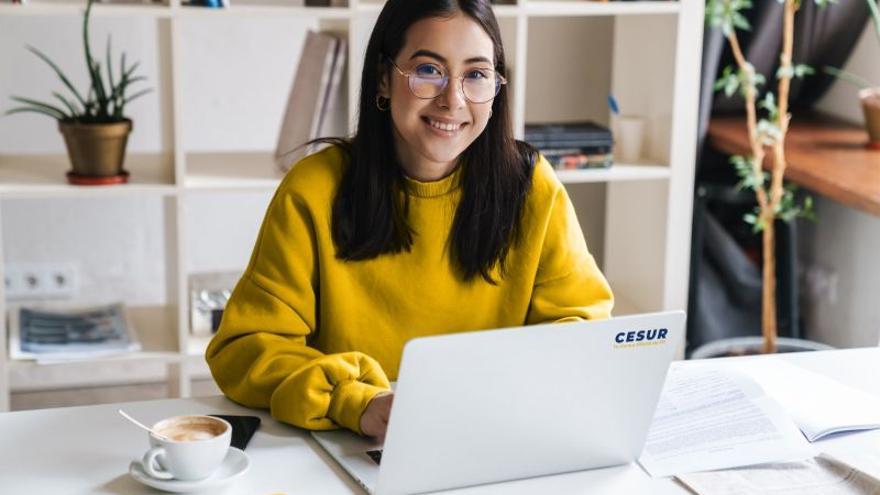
[(96, 150), (871, 106)]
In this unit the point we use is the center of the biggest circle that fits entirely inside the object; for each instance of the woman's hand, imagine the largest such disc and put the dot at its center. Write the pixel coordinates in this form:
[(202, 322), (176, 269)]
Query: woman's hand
[(374, 420)]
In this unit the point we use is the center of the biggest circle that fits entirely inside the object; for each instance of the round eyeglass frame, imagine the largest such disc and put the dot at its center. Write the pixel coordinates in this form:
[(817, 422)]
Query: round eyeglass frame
[(499, 81)]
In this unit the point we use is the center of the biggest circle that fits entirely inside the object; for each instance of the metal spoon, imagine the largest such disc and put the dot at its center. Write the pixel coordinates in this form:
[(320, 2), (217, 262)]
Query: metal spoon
[(126, 416)]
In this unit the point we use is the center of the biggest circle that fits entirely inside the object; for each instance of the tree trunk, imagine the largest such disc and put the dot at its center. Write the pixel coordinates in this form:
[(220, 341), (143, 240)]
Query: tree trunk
[(768, 301)]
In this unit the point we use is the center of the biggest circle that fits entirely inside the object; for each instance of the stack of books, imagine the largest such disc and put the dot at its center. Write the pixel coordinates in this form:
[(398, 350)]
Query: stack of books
[(315, 107), (573, 145)]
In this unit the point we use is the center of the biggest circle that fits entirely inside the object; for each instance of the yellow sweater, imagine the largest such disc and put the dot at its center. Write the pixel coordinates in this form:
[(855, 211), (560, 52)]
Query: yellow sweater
[(314, 338)]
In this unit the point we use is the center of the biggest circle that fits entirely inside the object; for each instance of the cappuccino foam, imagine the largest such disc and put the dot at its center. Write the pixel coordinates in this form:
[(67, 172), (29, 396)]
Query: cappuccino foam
[(190, 429)]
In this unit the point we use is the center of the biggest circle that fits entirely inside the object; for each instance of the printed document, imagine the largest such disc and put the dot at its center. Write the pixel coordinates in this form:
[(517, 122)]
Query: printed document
[(712, 419), (819, 405), (822, 475)]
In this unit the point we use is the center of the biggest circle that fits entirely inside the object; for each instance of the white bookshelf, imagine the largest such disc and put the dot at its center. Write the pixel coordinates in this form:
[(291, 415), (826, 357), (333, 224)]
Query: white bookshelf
[(647, 203)]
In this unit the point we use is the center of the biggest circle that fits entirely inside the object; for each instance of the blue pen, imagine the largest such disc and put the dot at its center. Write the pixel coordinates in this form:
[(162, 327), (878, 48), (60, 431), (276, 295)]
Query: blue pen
[(612, 103)]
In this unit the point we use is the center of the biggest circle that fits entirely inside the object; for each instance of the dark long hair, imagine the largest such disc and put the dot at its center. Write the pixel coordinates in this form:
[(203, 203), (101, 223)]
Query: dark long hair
[(370, 209)]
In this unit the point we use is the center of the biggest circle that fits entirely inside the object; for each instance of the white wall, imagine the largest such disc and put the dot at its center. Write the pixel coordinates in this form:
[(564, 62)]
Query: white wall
[(116, 244), (841, 99), (23, 74), (845, 243)]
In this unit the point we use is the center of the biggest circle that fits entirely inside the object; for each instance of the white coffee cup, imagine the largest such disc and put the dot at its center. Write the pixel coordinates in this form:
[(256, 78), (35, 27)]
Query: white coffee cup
[(193, 447)]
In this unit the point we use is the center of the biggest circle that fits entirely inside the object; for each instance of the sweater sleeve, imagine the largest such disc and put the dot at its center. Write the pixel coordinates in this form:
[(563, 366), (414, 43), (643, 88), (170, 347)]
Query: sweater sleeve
[(569, 285), (260, 356)]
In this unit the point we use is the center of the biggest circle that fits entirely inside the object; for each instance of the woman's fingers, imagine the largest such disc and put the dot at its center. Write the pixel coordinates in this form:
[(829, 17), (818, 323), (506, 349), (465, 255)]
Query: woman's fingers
[(374, 420)]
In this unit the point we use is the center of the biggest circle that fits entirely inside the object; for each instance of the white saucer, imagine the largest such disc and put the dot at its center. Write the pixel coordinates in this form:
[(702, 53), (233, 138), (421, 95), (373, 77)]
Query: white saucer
[(235, 464)]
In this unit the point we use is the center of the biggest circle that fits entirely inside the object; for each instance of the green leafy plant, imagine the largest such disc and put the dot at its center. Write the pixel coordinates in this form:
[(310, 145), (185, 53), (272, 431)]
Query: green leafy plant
[(105, 100), (766, 138), (849, 76)]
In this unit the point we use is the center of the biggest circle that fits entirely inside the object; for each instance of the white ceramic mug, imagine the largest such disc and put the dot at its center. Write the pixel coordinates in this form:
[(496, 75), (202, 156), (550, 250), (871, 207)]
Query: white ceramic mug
[(628, 137), (193, 448)]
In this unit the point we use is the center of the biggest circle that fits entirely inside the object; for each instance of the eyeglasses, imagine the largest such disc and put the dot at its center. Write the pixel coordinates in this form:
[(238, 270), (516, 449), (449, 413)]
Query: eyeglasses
[(428, 81)]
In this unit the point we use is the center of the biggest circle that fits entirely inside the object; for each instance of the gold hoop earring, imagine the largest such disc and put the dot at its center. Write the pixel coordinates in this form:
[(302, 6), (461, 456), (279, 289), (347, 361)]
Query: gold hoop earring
[(379, 105)]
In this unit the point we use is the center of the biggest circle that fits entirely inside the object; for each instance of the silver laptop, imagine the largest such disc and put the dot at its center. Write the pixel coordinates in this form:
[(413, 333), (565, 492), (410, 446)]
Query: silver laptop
[(489, 406)]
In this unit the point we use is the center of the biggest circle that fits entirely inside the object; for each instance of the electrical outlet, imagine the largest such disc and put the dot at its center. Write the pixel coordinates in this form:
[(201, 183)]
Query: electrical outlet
[(25, 281)]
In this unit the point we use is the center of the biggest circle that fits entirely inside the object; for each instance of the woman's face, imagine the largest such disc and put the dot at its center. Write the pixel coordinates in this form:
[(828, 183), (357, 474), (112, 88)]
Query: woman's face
[(430, 134)]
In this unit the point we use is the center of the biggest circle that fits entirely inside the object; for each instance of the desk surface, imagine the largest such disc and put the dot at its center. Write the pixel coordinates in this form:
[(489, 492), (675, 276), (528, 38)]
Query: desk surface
[(87, 449), (825, 156)]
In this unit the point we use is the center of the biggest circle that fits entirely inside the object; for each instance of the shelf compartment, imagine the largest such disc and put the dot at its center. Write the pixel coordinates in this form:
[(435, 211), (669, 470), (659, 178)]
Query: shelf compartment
[(506, 10), (155, 329), (196, 346), (232, 171), (38, 176), (535, 8)]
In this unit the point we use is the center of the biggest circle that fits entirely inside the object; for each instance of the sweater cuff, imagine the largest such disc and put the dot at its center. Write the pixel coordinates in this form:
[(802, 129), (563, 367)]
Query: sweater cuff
[(350, 399)]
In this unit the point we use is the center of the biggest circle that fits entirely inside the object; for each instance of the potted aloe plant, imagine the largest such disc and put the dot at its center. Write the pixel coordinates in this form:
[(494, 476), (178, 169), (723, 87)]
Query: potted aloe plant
[(93, 124), (869, 93)]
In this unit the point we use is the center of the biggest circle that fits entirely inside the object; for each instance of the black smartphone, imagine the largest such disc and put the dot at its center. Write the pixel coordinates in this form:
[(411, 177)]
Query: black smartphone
[(243, 428)]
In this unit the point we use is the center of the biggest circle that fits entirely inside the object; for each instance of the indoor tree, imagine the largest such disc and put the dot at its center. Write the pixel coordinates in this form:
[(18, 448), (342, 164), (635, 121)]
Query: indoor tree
[(766, 133)]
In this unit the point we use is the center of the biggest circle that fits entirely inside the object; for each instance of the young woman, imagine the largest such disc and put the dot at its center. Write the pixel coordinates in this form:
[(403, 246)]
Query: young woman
[(432, 219)]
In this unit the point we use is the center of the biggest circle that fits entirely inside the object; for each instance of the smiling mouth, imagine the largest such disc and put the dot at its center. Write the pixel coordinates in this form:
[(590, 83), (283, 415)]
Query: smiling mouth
[(444, 127)]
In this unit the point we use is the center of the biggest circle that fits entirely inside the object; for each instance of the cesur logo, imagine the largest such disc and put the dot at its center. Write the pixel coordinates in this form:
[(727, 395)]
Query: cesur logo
[(641, 335)]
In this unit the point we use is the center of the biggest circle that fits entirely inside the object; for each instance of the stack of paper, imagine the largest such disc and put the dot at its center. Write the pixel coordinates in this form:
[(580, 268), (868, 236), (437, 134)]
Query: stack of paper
[(711, 419), (726, 414), (822, 475)]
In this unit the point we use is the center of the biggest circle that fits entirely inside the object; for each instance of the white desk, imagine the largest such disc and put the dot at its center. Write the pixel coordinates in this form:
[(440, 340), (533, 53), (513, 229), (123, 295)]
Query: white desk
[(87, 449)]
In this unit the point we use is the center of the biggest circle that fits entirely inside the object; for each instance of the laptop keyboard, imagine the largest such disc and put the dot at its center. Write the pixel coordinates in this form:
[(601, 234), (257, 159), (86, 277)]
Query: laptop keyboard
[(375, 455)]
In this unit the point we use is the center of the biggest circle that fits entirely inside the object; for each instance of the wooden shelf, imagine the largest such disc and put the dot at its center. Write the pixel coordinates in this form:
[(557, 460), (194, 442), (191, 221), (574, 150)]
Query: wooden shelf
[(502, 11), (232, 171), (617, 172), (825, 156), (78, 7), (662, 184), (155, 329), (537, 8), (265, 8), (43, 176), (257, 171)]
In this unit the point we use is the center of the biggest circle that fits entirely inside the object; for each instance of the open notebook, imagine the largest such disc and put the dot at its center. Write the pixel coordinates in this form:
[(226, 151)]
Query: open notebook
[(819, 405)]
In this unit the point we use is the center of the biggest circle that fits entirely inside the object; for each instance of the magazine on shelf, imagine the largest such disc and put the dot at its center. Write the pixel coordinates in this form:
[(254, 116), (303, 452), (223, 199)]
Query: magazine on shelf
[(59, 333)]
